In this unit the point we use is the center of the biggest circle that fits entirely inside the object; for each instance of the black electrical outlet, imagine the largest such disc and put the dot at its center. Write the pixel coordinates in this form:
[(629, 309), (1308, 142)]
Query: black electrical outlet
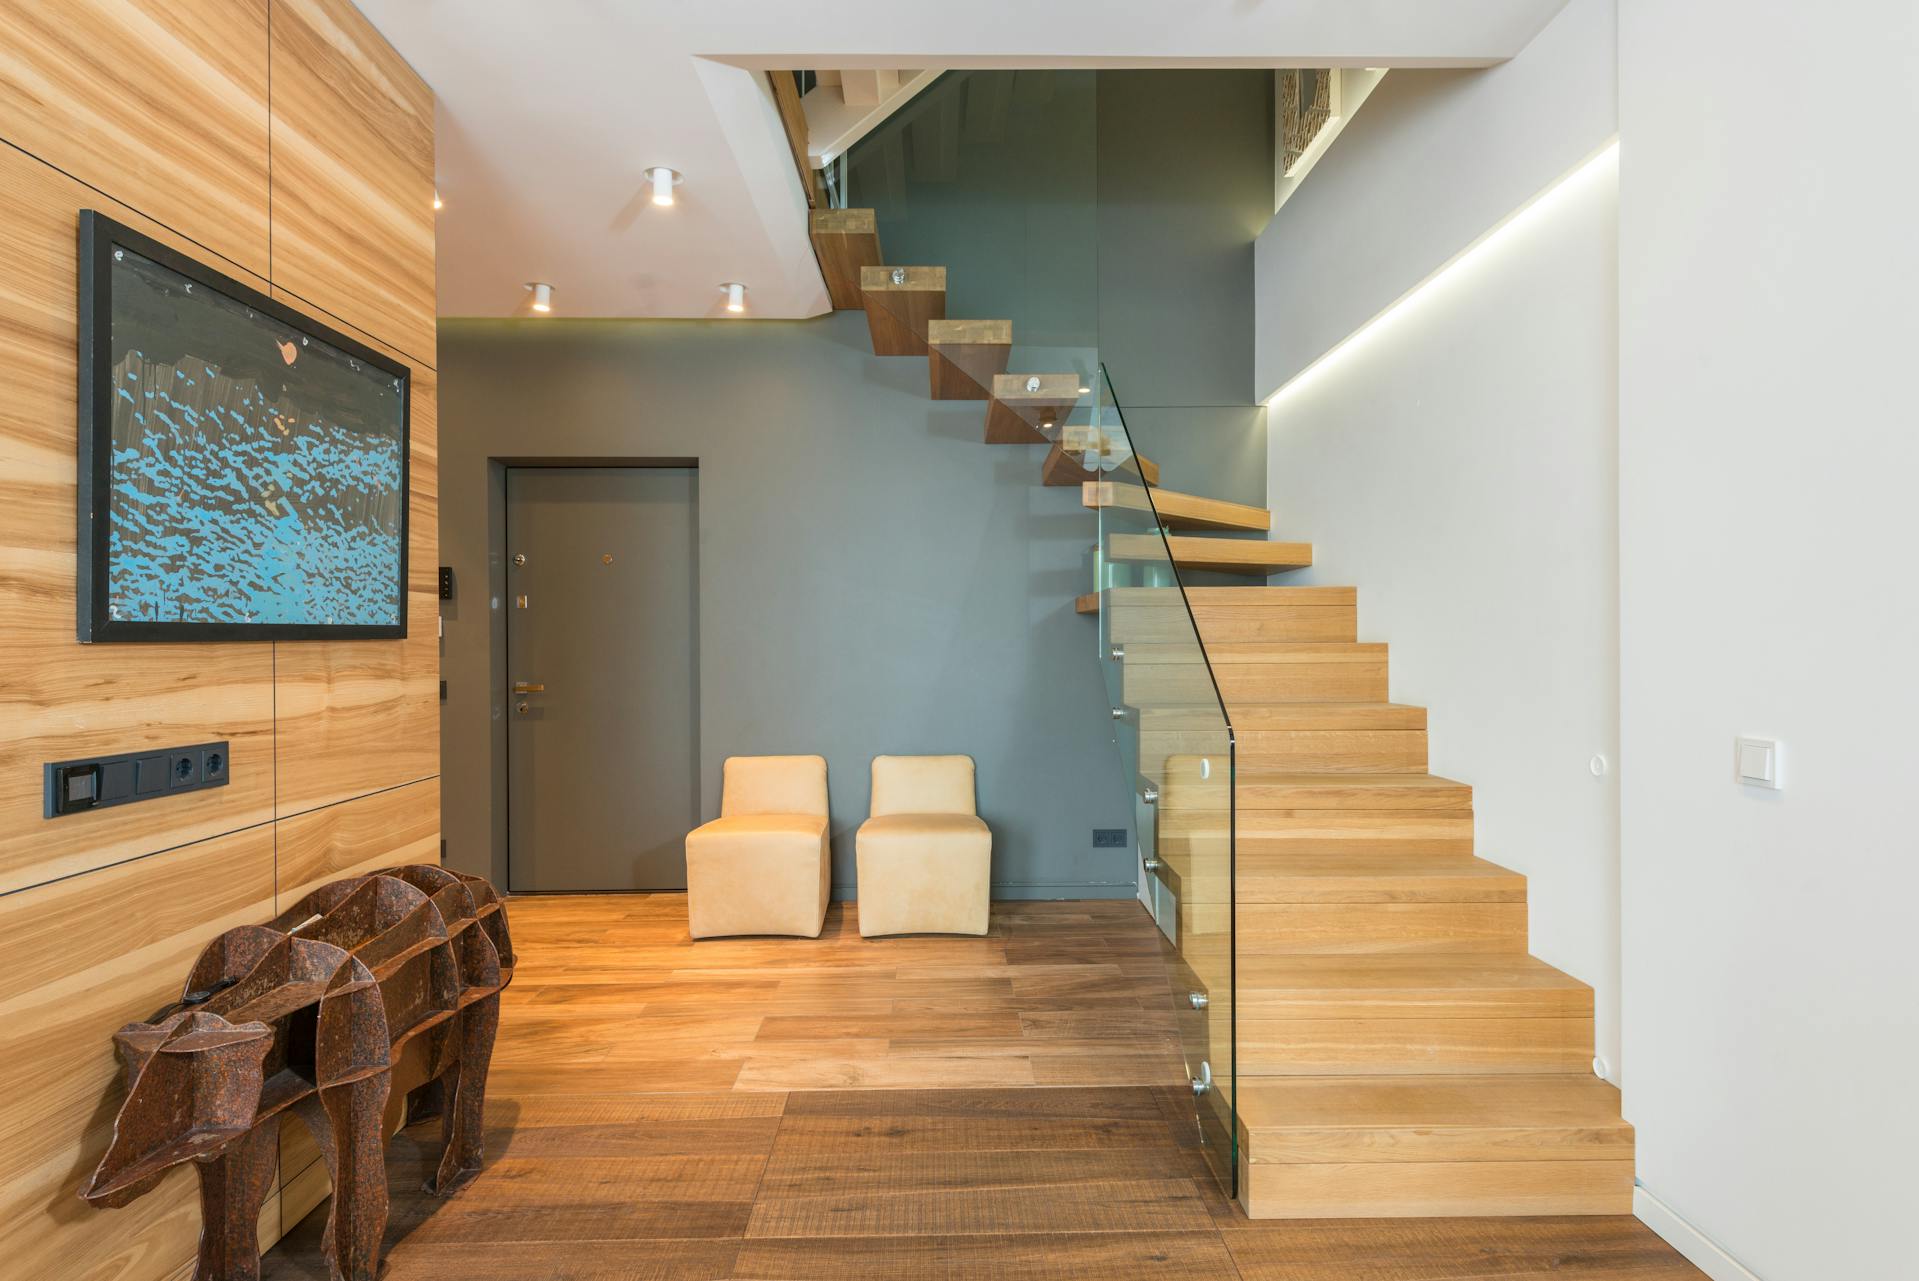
[(446, 582), (101, 781), (1109, 838)]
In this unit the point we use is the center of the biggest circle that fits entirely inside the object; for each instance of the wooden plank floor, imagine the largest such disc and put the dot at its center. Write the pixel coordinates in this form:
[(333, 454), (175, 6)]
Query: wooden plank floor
[(849, 1109)]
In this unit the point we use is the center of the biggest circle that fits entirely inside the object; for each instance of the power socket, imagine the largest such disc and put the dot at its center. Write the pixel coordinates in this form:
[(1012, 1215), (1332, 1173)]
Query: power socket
[(1109, 838)]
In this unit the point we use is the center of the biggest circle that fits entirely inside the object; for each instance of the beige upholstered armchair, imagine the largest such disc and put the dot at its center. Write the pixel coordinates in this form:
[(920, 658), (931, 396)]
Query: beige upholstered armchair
[(764, 866), (925, 858)]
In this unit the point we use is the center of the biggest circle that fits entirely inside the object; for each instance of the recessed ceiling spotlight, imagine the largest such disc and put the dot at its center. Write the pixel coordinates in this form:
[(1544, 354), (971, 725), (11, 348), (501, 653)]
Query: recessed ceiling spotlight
[(664, 180), (542, 296), (735, 296)]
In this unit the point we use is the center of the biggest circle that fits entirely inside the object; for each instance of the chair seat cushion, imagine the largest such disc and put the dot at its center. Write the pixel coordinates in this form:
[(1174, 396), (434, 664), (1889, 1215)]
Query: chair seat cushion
[(924, 873), (908, 826), (758, 874), (760, 827)]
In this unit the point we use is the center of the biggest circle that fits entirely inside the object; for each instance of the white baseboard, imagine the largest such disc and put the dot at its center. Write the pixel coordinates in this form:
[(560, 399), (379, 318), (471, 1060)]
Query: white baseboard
[(1700, 1250)]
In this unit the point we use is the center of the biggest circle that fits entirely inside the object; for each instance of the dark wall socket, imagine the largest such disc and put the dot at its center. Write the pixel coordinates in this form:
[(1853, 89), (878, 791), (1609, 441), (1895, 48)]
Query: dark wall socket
[(101, 781), (1109, 838)]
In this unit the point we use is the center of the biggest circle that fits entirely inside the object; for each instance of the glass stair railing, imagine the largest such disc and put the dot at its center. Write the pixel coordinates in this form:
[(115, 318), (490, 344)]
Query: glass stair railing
[(990, 269), (1176, 748)]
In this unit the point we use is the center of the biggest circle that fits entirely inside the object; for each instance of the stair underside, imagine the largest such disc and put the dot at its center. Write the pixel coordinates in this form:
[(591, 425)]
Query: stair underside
[(965, 356), (1018, 415), (897, 314), (845, 241)]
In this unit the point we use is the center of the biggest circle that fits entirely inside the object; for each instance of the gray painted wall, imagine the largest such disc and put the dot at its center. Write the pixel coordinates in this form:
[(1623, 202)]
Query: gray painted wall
[(1185, 185), (872, 577)]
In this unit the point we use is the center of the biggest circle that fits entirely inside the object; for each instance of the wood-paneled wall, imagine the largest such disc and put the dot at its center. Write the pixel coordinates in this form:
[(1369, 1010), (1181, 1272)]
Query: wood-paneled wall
[(285, 143)]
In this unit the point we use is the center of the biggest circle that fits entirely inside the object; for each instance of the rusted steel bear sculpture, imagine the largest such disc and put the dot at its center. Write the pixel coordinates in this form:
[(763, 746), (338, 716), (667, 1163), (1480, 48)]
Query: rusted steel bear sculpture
[(308, 1015)]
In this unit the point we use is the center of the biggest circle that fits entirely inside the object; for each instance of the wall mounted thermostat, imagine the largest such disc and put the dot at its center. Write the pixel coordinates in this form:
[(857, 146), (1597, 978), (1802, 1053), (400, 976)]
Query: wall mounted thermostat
[(1758, 763), (100, 781)]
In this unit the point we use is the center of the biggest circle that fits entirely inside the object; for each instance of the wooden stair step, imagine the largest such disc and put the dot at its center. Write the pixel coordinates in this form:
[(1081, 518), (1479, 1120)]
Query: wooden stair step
[(1254, 673), (1066, 465), (1369, 1147), (1320, 876), (1445, 985), (1331, 716), (1311, 750), (1175, 510), (899, 311), (1412, 833), (1023, 415), (1223, 555), (1226, 615), (1351, 929), (846, 241), (965, 356), (1256, 788)]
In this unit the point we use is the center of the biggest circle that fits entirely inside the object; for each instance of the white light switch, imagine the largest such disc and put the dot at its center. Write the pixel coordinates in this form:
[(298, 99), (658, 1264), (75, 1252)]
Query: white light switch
[(1758, 761)]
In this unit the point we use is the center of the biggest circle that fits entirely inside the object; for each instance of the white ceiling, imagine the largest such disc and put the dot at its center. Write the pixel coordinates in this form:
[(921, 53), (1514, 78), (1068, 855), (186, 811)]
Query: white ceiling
[(549, 111)]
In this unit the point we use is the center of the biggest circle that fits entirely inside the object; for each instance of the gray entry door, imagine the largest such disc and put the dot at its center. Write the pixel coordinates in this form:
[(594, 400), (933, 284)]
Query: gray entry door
[(602, 701)]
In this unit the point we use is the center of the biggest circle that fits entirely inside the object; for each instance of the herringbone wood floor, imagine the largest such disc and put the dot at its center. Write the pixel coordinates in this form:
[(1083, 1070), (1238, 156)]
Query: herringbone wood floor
[(846, 1109)]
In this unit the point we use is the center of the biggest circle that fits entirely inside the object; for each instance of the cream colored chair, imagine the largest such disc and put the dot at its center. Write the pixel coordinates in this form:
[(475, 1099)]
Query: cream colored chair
[(925, 858), (765, 865)]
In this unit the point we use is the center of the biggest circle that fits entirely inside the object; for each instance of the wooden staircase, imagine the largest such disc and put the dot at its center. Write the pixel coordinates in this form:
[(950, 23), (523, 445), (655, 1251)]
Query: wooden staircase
[(1399, 1051)]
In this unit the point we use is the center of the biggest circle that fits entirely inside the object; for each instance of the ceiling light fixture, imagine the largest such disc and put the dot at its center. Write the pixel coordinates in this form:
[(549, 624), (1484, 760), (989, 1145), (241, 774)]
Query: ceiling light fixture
[(542, 296), (664, 180), (735, 296)]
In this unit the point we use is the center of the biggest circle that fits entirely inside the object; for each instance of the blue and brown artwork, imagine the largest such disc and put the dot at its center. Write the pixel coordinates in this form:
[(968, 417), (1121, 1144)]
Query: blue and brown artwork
[(258, 474)]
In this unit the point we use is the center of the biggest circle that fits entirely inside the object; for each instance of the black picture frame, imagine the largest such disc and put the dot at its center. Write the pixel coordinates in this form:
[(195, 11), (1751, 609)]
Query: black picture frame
[(99, 236)]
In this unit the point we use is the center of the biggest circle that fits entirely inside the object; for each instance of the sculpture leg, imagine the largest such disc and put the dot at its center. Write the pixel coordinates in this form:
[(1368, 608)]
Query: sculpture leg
[(349, 1139), (464, 1123), (233, 1188)]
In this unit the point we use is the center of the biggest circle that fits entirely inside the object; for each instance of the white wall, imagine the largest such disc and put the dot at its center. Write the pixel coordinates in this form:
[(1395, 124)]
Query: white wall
[(1457, 464), (1435, 159), (1769, 450), (1457, 461)]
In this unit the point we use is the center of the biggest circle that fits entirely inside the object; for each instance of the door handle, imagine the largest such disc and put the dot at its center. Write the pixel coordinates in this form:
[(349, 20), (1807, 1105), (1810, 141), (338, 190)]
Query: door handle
[(528, 687)]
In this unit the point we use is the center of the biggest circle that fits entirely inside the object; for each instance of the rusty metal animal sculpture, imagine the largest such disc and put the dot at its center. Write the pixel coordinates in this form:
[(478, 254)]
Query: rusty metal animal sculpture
[(309, 1015)]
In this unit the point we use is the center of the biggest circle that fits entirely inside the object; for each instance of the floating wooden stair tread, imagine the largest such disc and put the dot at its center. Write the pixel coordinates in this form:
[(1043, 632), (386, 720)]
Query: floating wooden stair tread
[(1253, 673), (1315, 876), (1065, 464), (1228, 614), (1442, 985), (845, 241), (965, 356), (1365, 738), (1176, 510), (1330, 716), (1225, 555), (1018, 415), (898, 311), (1361, 1146), (1257, 789)]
